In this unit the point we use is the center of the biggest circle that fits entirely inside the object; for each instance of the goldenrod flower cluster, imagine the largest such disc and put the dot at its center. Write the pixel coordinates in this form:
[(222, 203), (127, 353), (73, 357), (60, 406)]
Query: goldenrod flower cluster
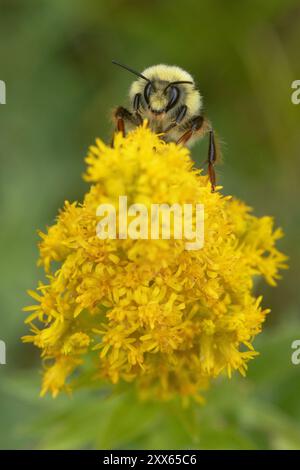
[(150, 311)]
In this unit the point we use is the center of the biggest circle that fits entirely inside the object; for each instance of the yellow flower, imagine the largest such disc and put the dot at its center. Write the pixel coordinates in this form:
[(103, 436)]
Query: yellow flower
[(149, 311)]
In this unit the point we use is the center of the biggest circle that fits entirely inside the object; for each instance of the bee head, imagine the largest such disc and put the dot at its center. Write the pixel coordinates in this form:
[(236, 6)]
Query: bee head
[(161, 95), (161, 87)]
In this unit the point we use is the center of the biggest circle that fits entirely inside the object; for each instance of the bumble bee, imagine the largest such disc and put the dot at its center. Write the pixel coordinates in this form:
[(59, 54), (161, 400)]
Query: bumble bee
[(166, 95)]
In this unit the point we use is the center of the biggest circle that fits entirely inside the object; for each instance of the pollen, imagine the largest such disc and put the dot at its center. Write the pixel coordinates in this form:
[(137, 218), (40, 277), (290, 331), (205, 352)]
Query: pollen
[(149, 312)]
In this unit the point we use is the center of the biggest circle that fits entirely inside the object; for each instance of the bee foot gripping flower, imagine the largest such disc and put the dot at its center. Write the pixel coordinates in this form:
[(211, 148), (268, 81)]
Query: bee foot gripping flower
[(149, 311)]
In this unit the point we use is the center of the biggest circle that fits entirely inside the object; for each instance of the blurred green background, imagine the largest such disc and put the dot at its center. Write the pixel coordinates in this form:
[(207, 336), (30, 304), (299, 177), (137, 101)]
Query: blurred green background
[(55, 57)]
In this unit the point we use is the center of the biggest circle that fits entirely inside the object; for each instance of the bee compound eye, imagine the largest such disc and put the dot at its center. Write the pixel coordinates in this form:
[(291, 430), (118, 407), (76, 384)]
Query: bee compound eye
[(147, 92), (174, 95)]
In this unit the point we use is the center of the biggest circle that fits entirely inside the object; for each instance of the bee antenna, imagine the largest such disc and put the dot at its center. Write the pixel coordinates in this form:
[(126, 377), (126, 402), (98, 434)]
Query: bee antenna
[(178, 83), (131, 70)]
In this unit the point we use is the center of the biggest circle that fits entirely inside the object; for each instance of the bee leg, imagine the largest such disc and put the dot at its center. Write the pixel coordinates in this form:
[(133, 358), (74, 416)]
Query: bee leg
[(121, 116), (179, 117), (195, 125), (212, 158), (202, 126)]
